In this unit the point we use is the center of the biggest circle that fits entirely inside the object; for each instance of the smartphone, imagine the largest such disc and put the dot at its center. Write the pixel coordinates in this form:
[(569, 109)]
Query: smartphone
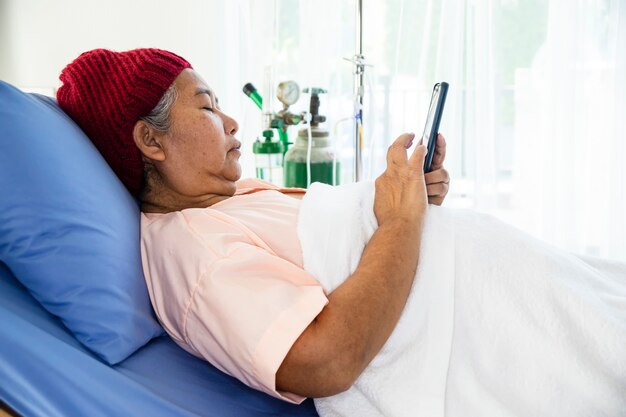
[(431, 130)]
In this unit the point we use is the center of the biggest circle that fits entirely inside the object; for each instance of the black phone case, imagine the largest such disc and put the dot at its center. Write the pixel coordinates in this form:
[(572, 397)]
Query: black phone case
[(434, 131)]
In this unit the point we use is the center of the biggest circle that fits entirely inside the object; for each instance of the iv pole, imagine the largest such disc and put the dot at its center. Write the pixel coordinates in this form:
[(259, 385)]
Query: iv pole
[(359, 69)]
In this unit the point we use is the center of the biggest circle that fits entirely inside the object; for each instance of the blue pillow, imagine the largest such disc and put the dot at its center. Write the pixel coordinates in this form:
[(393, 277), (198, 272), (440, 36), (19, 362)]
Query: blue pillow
[(69, 230)]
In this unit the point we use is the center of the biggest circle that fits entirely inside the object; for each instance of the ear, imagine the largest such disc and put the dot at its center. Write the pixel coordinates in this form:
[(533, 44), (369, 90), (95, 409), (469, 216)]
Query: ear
[(148, 141)]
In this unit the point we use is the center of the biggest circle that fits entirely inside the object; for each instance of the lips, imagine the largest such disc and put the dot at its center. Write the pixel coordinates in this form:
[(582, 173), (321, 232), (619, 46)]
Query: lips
[(236, 147)]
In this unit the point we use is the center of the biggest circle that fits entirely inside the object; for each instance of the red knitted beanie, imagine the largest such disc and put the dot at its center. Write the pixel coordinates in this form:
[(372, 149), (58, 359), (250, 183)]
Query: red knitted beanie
[(107, 92)]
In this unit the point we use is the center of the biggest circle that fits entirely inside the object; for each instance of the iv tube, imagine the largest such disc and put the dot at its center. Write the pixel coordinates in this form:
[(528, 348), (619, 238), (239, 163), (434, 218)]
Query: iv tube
[(370, 127), (268, 89), (359, 68), (398, 37), (308, 156), (309, 146), (335, 149), (267, 111)]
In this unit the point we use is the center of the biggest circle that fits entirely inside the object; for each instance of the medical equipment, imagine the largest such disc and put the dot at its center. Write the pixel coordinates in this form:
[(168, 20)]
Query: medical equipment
[(297, 170), (254, 95), (359, 71), (268, 158), (288, 93), (269, 153), (312, 158)]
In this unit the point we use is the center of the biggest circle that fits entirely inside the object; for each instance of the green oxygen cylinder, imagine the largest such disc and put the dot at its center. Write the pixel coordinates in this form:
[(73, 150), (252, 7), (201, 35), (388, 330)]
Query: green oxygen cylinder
[(268, 158), (322, 159), (323, 166)]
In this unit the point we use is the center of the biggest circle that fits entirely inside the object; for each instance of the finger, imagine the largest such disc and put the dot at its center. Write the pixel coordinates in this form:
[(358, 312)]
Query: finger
[(405, 140), (440, 175), (437, 193), (440, 153), (397, 151), (439, 189), (435, 200)]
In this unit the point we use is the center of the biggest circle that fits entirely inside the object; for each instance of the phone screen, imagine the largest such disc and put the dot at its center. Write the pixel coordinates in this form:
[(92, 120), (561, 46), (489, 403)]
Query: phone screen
[(433, 119), (431, 115)]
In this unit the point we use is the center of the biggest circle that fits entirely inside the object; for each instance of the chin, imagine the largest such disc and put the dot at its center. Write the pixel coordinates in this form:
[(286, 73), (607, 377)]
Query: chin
[(237, 174)]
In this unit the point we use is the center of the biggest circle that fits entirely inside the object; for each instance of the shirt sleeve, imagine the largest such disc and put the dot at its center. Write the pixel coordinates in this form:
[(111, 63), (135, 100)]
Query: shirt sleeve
[(247, 310)]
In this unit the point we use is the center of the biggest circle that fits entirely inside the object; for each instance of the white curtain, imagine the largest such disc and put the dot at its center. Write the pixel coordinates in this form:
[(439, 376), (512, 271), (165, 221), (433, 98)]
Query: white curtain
[(535, 114), (570, 130)]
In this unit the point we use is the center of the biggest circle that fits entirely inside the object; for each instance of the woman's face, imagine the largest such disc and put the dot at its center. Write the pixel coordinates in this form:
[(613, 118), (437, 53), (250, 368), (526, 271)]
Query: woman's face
[(201, 152)]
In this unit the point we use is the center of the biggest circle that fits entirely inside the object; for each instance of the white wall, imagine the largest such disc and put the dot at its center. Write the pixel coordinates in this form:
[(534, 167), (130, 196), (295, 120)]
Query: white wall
[(39, 37)]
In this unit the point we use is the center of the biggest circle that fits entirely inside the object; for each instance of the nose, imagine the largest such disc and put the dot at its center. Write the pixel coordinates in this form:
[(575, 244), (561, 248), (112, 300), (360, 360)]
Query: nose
[(230, 125)]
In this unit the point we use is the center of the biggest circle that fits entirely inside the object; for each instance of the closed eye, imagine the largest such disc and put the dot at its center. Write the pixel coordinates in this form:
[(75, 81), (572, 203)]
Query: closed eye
[(209, 109)]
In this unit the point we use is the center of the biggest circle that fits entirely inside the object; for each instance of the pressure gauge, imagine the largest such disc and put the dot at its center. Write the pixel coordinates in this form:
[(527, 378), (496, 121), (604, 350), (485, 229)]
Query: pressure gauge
[(288, 92)]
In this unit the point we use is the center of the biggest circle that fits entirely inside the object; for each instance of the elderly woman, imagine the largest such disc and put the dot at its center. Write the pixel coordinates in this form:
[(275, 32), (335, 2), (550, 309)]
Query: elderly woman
[(496, 323), (221, 256)]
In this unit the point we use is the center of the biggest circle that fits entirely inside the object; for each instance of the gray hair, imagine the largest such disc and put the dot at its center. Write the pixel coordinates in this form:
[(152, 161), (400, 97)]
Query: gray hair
[(159, 117)]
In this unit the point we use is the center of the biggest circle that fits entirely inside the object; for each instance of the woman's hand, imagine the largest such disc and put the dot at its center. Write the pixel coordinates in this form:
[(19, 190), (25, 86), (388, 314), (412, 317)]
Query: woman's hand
[(437, 180), (401, 189)]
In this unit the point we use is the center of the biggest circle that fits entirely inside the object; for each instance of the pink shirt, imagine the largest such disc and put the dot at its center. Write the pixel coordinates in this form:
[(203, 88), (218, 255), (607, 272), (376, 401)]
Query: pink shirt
[(227, 282)]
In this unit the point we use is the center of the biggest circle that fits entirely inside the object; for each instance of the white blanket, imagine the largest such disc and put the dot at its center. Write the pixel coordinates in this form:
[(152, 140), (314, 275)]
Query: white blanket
[(497, 323)]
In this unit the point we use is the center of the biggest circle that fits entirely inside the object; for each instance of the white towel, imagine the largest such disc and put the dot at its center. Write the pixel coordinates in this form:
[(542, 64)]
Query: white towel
[(497, 323)]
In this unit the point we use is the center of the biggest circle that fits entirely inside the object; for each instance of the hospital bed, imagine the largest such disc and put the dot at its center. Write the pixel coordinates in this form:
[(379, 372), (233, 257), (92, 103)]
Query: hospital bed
[(77, 336)]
